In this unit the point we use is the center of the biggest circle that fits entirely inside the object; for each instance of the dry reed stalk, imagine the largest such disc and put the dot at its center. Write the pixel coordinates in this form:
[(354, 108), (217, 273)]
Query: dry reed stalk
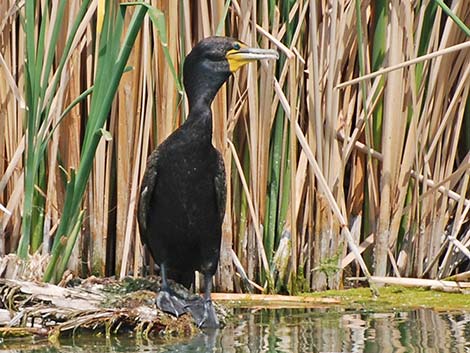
[(260, 246), (13, 202), (141, 151), (394, 123), (434, 54), (219, 107), (128, 99), (293, 119)]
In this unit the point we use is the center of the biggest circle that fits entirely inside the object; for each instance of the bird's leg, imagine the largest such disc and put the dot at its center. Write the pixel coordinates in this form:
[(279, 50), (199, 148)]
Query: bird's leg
[(202, 309), (163, 275), (166, 300), (210, 317)]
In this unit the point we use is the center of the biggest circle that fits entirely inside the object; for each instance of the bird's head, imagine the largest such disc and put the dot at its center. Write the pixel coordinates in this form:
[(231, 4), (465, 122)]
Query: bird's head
[(211, 62)]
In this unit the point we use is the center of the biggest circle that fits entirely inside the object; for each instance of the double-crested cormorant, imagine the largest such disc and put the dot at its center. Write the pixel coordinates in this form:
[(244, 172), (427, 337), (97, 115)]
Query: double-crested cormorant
[(183, 193)]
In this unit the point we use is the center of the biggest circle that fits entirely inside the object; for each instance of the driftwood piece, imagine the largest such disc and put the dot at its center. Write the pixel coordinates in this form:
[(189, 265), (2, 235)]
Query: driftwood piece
[(274, 300)]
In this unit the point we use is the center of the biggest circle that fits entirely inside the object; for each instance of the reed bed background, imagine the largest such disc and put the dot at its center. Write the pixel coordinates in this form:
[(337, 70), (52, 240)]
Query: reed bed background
[(327, 177)]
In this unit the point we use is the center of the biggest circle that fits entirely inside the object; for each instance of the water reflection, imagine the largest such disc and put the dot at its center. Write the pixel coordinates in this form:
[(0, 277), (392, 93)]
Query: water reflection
[(295, 331)]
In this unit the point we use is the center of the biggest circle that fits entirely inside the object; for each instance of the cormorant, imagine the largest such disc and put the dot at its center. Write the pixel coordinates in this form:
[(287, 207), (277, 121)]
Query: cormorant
[(183, 193)]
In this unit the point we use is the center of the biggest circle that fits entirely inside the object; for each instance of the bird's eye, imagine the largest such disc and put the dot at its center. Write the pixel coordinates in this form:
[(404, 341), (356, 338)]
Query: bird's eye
[(236, 46)]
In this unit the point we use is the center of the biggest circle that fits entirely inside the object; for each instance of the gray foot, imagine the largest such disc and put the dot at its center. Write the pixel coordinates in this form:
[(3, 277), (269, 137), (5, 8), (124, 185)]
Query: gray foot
[(210, 317), (170, 303), (203, 313)]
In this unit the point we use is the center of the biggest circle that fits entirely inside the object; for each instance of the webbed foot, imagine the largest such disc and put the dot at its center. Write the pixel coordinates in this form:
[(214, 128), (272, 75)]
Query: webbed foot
[(203, 313), (210, 317), (170, 303)]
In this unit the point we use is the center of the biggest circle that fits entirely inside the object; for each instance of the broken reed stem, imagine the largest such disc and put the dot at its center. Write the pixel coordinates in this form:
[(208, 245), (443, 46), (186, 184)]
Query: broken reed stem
[(322, 182), (429, 182), (407, 63), (259, 238)]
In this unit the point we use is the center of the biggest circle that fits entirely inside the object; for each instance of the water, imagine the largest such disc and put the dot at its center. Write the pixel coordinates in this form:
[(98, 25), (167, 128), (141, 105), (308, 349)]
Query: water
[(295, 331)]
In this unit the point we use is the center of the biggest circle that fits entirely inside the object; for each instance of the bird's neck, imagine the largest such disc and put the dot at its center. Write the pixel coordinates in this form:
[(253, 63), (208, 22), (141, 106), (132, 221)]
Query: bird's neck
[(201, 89), (200, 98), (201, 94), (202, 86), (199, 122)]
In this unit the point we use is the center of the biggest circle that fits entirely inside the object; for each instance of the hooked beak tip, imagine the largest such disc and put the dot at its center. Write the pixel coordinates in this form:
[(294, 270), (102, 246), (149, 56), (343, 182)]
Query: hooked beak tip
[(252, 54)]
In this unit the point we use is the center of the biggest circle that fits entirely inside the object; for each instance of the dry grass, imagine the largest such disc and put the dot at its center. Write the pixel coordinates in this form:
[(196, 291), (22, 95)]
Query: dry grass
[(106, 306), (316, 161)]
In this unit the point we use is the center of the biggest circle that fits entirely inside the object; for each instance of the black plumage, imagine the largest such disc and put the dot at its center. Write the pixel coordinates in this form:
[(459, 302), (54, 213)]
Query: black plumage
[(183, 193)]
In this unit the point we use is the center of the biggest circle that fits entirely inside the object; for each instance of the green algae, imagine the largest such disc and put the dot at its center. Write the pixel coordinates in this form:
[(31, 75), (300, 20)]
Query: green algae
[(398, 298)]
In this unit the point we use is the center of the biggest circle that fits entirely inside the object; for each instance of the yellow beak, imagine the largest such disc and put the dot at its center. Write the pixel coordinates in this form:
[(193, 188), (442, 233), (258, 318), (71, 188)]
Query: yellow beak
[(244, 55)]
